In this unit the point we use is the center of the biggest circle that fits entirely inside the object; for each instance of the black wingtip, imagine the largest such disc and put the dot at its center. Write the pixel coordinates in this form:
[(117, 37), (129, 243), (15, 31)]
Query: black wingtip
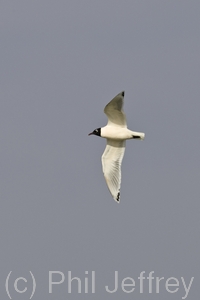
[(123, 93), (118, 197)]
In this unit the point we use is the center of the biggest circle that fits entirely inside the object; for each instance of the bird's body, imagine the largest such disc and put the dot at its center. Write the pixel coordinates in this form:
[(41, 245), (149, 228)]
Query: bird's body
[(116, 133), (119, 133)]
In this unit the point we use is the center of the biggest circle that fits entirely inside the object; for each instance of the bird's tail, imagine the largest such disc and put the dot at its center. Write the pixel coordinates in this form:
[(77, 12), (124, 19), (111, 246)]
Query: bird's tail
[(138, 135)]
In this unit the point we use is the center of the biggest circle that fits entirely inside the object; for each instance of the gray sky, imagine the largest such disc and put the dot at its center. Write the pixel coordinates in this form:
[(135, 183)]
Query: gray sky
[(61, 63)]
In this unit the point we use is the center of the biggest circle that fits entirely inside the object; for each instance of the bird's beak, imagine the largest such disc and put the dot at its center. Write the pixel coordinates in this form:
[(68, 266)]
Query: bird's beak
[(90, 133)]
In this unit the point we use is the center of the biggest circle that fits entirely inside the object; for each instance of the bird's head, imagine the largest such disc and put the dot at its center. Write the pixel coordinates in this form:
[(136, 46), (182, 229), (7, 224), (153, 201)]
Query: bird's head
[(96, 132)]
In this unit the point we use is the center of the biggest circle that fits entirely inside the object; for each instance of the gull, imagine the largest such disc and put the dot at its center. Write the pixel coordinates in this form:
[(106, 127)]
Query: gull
[(116, 133)]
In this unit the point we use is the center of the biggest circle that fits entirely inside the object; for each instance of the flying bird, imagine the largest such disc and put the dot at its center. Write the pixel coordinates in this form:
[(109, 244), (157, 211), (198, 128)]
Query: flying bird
[(116, 133)]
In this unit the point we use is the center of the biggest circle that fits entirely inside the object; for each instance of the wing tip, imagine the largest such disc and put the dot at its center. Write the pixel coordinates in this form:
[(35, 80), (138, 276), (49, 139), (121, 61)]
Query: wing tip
[(117, 198), (123, 93)]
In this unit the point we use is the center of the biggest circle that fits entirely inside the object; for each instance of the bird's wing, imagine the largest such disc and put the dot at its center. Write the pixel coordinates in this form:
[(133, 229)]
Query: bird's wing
[(114, 111), (111, 164)]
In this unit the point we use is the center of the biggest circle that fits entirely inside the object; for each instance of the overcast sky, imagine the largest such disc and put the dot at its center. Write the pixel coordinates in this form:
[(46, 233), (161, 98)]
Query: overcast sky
[(61, 63)]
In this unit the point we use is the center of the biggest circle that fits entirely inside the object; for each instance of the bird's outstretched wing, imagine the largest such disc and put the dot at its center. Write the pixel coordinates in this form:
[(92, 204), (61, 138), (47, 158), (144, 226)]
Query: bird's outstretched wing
[(114, 111), (111, 164)]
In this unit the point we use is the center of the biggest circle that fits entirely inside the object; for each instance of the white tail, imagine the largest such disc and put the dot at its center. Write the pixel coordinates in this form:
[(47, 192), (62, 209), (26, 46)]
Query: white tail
[(138, 135)]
